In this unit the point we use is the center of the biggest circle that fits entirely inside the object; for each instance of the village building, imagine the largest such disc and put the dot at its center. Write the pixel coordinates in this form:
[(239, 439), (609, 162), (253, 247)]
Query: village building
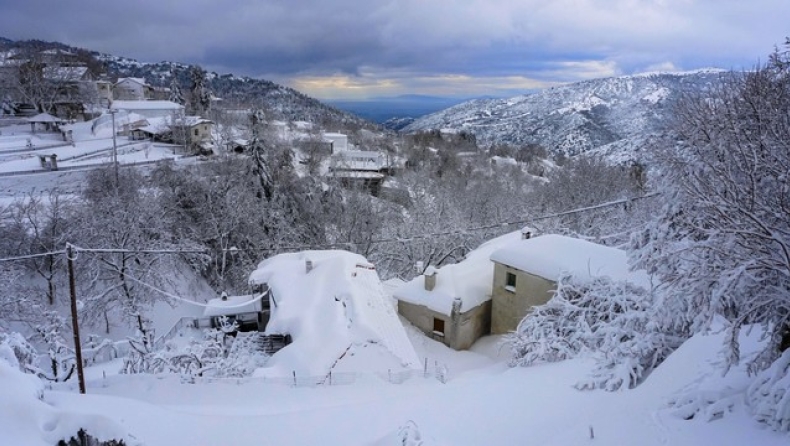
[(496, 285), (329, 303), (193, 132), (526, 273), (359, 168), (338, 142), (132, 89)]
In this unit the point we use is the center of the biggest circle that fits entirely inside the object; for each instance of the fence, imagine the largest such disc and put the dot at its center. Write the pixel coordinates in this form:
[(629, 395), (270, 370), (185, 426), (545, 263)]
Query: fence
[(439, 372)]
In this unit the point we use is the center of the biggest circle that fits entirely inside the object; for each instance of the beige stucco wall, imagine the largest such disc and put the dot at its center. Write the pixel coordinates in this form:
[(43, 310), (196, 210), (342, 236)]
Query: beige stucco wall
[(509, 307), (204, 132), (471, 324)]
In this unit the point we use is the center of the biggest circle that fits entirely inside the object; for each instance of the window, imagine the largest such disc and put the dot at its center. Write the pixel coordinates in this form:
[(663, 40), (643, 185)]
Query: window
[(197, 132), (510, 282), (438, 325)]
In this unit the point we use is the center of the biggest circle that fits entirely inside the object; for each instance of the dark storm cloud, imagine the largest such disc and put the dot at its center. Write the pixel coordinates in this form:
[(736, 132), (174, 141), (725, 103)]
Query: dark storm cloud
[(402, 43)]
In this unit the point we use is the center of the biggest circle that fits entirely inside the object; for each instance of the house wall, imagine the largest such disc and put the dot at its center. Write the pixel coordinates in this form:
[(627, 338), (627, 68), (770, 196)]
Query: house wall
[(471, 324), (509, 307), (128, 91), (203, 132)]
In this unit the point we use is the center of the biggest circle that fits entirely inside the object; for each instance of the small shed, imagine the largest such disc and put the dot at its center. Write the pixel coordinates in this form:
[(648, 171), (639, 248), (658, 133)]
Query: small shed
[(250, 312), (44, 121)]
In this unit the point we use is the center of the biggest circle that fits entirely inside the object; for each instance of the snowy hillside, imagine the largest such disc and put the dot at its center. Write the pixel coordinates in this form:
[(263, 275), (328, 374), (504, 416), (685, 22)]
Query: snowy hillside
[(574, 118)]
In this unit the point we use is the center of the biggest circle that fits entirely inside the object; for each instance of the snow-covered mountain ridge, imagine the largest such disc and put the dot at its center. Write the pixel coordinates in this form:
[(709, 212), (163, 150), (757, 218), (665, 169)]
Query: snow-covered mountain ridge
[(574, 118)]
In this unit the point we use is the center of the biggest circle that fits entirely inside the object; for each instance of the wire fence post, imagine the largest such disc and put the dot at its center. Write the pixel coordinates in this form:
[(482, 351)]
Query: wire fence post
[(74, 319)]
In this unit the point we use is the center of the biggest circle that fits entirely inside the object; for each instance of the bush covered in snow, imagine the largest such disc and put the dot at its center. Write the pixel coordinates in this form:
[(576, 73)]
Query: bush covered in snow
[(769, 395), (217, 355), (611, 320)]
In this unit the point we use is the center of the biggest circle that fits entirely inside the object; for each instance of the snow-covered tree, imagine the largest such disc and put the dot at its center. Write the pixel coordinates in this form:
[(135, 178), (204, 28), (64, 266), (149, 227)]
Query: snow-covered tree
[(175, 91), (118, 216), (721, 245), (612, 321), (199, 93), (60, 353)]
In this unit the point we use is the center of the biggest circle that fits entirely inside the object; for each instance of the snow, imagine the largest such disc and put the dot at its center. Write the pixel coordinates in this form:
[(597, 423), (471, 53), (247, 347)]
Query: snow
[(657, 96), (232, 305), (488, 403), (471, 280), (146, 105), (26, 420), (44, 117), (336, 309), (550, 256)]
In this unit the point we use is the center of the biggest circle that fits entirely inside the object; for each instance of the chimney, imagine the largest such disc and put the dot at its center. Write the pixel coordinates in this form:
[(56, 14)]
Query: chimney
[(526, 232), (430, 278), (308, 265)]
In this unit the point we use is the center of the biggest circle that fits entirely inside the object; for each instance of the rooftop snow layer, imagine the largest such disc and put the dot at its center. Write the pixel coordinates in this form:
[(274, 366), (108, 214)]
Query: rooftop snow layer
[(146, 105), (338, 304), (470, 279), (550, 256), (232, 305)]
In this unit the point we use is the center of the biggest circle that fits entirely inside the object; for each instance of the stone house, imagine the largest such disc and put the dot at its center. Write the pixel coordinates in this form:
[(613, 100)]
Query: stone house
[(496, 285), (526, 273)]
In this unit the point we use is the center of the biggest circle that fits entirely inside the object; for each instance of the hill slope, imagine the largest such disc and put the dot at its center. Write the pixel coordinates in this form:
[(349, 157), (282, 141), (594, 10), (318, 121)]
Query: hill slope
[(278, 101), (574, 118)]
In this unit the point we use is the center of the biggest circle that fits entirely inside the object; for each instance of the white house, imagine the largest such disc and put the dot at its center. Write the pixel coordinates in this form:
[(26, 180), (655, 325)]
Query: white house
[(339, 141), (335, 308)]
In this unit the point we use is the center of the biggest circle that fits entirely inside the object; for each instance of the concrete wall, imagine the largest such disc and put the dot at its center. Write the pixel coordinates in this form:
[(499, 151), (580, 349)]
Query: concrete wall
[(460, 335), (472, 325), (510, 306)]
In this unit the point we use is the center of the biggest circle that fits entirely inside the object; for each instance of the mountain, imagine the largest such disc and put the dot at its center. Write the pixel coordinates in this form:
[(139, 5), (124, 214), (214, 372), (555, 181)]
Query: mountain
[(611, 115), (277, 101)]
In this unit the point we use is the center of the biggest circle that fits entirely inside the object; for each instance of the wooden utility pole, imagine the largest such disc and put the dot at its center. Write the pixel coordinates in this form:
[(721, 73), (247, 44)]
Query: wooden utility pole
[(74, 320)]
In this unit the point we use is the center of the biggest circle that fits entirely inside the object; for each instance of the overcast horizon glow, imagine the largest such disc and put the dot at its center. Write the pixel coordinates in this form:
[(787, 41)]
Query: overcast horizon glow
[(456, 48)]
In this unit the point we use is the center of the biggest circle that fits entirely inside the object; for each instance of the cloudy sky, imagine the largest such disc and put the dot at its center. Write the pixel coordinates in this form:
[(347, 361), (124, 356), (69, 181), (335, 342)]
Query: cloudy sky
[(355, 49)]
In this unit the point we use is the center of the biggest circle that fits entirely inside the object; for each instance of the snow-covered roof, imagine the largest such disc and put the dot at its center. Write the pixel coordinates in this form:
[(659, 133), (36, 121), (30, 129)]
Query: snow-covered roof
[(137, 80), (44, 117), (469, 279), (551, 255), (338, 304), (232, 305), (192, 121), (146, 105)]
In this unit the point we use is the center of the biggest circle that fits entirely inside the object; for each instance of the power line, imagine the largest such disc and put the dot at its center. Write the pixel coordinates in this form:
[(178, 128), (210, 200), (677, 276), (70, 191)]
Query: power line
[(522, 221), (181, 299), (32, 256)]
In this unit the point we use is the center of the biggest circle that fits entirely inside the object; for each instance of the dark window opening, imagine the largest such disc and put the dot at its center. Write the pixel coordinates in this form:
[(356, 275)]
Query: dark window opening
[(510, 281), (438, 325)]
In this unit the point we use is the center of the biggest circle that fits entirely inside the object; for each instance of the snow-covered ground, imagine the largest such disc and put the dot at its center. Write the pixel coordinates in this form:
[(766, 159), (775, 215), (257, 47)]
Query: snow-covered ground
[(20, 149), (483, 402)]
